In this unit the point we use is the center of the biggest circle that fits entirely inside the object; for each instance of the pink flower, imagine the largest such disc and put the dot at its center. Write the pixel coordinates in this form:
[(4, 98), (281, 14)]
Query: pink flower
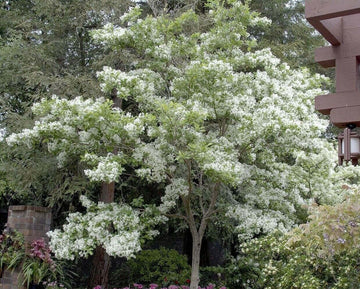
[(139, 286), (40, 250), (97, 287), (153, 286), (210, 286), (185, 287)]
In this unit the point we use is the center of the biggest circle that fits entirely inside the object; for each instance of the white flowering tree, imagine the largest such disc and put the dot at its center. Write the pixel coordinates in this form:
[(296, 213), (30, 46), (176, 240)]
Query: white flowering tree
[(231, 132), (117, 228)]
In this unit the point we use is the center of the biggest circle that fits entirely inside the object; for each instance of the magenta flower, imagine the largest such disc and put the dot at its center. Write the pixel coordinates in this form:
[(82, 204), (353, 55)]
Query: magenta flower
[(97, 287), (173, 287), (138, 286), (210, 286), (185, 287), (153, 286)]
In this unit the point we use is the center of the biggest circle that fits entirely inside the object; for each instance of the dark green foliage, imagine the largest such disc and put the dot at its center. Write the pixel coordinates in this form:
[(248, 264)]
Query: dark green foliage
[(162, 266), (290, 37)]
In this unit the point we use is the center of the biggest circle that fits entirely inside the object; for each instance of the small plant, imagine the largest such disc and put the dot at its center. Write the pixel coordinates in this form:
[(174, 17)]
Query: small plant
[(12, 249), (35, 263), (38, 265)]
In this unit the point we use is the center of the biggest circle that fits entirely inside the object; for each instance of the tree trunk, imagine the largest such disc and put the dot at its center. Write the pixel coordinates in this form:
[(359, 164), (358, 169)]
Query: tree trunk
[(101, 262), (107, 193), (197, 233), (195, 263), (82, 47), (100, 269)]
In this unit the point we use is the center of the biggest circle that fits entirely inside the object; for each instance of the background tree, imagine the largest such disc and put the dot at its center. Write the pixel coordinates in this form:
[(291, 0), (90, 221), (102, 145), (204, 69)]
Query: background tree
[(289, 36)]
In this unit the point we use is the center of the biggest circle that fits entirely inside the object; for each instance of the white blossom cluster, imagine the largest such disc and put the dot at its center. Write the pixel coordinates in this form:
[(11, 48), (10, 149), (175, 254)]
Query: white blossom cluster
[(153, 163), (112, 78), (257, 21), (83, 129), (108, 169), (141, 84), (115, 227), (253, 222), (173, 191), (111, 34), (221, 160)]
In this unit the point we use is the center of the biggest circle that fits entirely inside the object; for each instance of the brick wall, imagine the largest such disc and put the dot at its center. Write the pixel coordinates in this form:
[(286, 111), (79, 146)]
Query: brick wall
[(9, 280), (33, 222)]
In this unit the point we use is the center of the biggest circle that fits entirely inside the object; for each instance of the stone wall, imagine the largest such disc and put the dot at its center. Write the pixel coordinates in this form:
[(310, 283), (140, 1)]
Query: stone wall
[(33, 222)]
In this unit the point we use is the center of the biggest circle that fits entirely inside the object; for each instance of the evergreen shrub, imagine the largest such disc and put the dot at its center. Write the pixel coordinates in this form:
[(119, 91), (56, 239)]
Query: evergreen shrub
[(162, 266)]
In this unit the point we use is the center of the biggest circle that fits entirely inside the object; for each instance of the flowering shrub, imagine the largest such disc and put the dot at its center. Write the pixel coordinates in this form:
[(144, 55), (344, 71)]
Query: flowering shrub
[(332, 230), (325, 251), (239, 118)]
